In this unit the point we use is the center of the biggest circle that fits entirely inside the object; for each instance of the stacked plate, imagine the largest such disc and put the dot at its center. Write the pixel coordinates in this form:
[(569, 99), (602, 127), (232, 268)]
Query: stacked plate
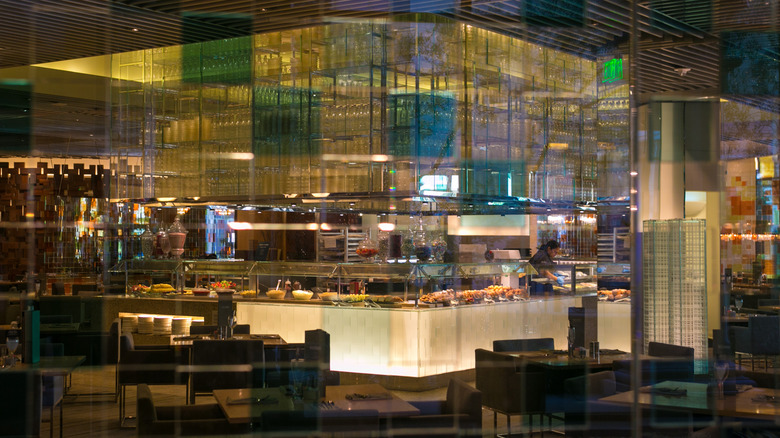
[(129, 324), (162, 325), (145, 324), (181, 326)]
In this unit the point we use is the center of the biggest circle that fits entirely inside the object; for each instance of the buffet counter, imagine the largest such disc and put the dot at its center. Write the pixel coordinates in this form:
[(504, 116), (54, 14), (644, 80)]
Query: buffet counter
[(420, 342)]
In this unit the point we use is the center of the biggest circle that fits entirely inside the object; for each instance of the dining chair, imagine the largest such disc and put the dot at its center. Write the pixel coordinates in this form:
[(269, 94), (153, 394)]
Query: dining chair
[(459, 414), (75, 289), (181, 420), (53, 387), (532, 344), (152, 365), (761, 338), (510, 386), (226, 364), (585, 415), (20, 403)]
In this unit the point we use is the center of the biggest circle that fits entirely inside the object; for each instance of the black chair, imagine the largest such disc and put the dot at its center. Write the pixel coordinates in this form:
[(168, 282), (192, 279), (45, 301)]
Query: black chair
[(226, 364), (240, 329), (585, 415), (460, 414), (316, 354), (201, 419), (653, 370), (761, 338), (75, 289), (114, 289), (20, 404), (534, 344), (13, 313), (53, 386), (660, 349), (61, 305), (152, 365), (510, 386), (58, 288)]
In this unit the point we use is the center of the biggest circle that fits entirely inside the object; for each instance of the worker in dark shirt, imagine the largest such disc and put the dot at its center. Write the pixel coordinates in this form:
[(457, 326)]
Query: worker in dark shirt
[(543, 262)]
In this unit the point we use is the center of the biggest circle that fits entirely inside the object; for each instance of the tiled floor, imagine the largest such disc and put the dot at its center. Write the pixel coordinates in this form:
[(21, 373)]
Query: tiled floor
[(98, 415)]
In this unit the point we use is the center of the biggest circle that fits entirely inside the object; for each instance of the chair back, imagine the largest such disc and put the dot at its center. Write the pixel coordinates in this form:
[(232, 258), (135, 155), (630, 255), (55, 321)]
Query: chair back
[(4, 303), (210, 360), (765, 334), (20, 404), (659, 349), (240, 329), (768, 302), (145, 410), (509, 384), (61, 305), (58, 288), (76, 288), (463, 398), (533, 344)]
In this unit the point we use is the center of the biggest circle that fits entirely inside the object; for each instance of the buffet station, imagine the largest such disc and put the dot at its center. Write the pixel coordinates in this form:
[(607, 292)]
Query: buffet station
[(429, 323)]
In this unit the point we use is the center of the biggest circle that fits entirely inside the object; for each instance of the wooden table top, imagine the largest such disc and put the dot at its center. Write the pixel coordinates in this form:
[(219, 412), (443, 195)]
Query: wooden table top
[(756, 403), (369, 396), (243, 405), (52, 365)]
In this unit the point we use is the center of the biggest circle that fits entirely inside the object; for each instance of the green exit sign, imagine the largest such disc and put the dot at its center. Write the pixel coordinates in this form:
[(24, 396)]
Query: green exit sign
[(613, 70)]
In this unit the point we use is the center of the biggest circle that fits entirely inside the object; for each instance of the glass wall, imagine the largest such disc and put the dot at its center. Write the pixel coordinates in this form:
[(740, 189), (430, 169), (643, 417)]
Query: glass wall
[(371, 107)]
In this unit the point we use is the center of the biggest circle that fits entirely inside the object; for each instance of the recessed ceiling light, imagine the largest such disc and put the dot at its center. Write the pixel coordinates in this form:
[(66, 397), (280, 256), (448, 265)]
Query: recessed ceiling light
[(135, 29)]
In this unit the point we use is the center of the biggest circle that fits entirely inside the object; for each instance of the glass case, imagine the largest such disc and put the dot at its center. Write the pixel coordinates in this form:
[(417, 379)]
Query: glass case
[(577, 278), (413, 283), (148, 276)]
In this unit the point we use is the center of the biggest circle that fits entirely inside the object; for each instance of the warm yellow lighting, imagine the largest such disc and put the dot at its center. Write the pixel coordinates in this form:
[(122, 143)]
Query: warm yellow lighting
[(386, 226), (239, 225), (320, 195), (166, 199), (196, 198), (246, 156), (29, 215), (558, 146), (356, 158), (325, 227), (633, 173), (243, 226), (290, 195)]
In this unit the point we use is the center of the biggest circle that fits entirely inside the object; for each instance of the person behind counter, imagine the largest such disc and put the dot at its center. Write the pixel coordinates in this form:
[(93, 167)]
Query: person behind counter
[(543, 262)]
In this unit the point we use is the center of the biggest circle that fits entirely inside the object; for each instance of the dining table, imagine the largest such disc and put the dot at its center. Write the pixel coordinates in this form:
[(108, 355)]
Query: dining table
[(186, 340), (371, 396), (747, 402), (561, 360), (244, 405)]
